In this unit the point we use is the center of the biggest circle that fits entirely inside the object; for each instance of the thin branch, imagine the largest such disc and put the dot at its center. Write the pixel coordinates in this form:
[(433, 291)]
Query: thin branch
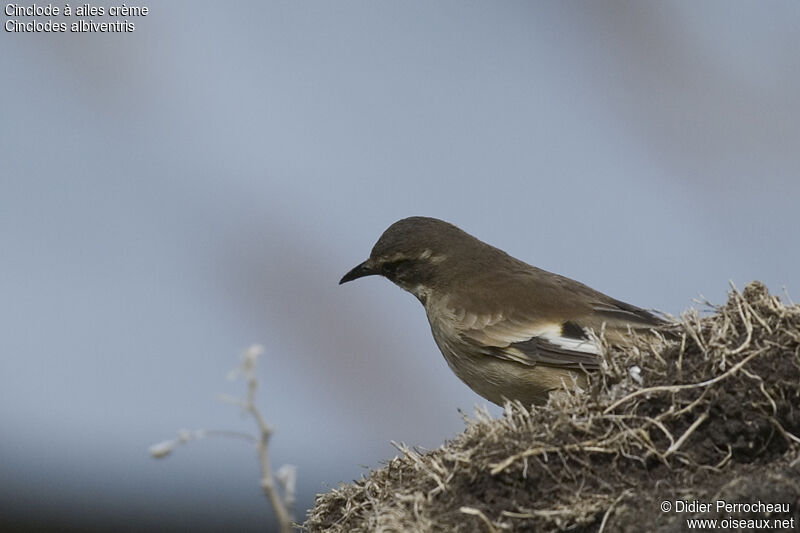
[(477, 512), (676, 388), (611, 508), (678, 443), (286, 475), (279, 506)]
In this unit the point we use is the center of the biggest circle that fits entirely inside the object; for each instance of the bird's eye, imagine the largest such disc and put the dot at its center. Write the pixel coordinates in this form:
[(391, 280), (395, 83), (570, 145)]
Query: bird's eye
[(394, 268)]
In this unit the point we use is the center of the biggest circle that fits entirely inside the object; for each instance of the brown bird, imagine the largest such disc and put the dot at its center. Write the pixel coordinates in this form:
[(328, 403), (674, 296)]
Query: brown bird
[(509, 330)]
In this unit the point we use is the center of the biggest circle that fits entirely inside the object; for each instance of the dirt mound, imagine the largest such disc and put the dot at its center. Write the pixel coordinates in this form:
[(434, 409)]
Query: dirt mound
[(667, 430)]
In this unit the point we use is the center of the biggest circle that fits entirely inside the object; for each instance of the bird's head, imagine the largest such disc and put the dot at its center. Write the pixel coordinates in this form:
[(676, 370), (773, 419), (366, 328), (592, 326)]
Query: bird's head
[(412, 252)]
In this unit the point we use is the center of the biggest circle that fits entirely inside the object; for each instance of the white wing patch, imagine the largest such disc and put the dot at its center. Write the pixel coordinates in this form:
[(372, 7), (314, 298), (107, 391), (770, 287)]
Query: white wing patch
[(493, 330), (576, 345), (552, 333)]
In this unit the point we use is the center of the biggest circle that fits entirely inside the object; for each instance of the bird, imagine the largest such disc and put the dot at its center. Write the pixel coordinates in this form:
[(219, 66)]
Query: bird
[(509, 330)]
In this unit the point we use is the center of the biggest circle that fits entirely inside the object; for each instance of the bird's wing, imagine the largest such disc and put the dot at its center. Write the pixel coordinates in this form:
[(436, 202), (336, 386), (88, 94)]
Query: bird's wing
[(618, 312), (542, 318), (521, 340), (530, 336)]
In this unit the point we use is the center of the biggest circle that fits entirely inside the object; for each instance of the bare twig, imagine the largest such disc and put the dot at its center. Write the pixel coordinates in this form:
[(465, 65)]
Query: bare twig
[(678, 443), (477, 512), (286, 475), (675, 388), (279, 505), (623, 494)]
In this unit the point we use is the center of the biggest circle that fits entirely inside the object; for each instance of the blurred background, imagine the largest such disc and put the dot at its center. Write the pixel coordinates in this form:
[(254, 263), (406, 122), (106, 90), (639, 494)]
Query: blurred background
[(171, 195)]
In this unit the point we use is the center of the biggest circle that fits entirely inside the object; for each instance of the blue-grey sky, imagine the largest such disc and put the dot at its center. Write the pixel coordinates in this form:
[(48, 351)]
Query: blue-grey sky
[(171, 195)]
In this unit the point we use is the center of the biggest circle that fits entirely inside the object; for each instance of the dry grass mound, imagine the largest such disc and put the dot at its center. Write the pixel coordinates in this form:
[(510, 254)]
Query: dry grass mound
[(711, 414)]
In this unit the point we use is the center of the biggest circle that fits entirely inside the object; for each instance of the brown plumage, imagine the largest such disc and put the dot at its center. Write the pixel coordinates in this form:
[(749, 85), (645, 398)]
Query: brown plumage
[(509, 330)]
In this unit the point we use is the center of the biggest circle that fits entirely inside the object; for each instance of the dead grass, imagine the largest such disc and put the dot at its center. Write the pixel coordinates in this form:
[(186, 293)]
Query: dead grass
[(712, 413)]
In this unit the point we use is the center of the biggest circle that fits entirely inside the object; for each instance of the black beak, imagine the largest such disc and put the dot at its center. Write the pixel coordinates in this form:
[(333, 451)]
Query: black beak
[(364, 269)]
